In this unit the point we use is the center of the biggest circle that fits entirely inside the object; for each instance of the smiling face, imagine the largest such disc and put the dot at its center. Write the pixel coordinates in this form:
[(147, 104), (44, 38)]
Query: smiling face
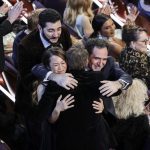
[(98, 58), (141, 43), (108, 28), (52, 31), (57, 64)]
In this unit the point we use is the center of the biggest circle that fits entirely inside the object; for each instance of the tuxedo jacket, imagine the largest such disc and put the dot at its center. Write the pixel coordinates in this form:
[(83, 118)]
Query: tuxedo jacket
[(31, 49), (78, 128), (30, 53)]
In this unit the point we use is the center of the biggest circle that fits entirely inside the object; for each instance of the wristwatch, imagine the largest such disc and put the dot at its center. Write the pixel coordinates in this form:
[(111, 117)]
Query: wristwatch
[(123, 84)]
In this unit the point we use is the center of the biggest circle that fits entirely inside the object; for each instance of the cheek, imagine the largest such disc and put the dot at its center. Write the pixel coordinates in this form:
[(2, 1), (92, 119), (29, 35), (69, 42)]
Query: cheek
[(104, 63), (55, 69), (65, 67), (93, 61), (105, 32), (114, 27), (48, 35)]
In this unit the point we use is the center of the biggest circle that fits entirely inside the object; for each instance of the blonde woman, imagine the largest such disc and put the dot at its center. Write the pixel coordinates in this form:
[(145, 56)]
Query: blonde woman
[(78, 15), (132, 129)]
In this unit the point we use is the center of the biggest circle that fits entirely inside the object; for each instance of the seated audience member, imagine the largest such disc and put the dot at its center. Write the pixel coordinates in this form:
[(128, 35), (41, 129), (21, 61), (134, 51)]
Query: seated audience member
[(78, 15), (77, 128), (134, 59), (104, 28), (32, 22), (132, 129)]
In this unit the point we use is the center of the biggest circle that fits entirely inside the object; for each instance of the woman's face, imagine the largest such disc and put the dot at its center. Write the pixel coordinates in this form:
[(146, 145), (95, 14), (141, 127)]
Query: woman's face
[(108, 28), (57, 65), (142, 42)]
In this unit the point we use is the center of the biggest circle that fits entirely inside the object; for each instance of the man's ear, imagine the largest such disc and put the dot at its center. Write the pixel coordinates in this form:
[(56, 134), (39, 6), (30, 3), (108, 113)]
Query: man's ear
[(39, 27)]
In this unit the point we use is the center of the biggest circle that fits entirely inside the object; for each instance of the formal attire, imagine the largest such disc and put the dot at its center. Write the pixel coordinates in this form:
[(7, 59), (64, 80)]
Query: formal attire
[(30, 53), (78, 128), (17, 40), (113, 72)]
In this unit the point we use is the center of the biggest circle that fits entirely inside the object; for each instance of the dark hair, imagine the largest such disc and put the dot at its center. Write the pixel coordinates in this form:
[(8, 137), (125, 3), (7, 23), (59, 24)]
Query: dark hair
[(95, 42), (98, 22), (77, 57), (49, 15), (146, 2), (57, 51), (131, 33)]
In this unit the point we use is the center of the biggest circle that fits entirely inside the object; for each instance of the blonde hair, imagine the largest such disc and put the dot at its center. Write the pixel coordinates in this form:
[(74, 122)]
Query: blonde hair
[(76, 7), (33, 18), (131, 102)]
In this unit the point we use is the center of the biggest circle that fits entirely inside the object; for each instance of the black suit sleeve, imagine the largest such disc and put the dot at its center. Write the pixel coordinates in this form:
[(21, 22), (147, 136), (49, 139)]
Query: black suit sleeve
[(5, 28), (117, 73)]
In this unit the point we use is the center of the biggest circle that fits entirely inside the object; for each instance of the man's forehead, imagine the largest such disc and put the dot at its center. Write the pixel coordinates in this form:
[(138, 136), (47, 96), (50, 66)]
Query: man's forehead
[(52, 25)]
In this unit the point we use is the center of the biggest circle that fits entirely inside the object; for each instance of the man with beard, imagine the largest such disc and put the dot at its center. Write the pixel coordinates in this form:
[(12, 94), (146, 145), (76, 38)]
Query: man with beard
[(50, 33)]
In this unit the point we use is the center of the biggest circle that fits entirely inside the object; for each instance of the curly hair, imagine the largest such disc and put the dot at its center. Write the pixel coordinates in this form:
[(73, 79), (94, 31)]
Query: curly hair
[(131, 101)]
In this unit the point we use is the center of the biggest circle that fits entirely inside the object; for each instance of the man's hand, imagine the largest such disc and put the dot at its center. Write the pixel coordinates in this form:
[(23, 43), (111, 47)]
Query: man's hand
[(109, 87), (66, 80)]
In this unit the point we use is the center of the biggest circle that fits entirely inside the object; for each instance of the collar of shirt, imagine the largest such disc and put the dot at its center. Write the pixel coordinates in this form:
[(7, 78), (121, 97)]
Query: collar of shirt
[(44, 42)]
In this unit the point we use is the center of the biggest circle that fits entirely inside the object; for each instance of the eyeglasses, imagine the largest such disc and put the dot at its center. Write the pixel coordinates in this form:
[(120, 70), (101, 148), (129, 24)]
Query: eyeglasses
[(146, 41)]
